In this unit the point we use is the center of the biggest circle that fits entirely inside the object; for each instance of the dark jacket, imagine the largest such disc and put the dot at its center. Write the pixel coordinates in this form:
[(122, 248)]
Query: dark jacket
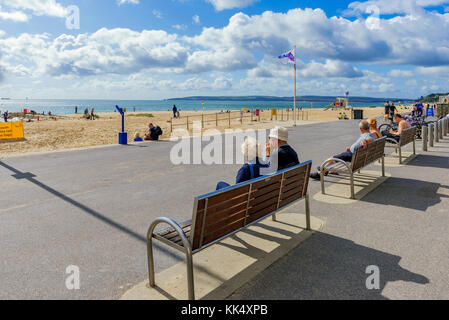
[(286, 157), (244, 173), (154, 134)]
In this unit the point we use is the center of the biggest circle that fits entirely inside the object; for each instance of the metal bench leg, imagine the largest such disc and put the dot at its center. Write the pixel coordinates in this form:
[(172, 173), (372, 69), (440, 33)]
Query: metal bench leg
[(150, 262), (414, 146), (352, 186), (383, 166), (308, 226), (190, 281), (400, 155), (322, 182)]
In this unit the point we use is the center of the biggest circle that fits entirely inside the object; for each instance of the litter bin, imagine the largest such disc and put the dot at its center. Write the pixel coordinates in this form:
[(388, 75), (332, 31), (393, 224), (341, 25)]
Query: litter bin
[(357, 114)]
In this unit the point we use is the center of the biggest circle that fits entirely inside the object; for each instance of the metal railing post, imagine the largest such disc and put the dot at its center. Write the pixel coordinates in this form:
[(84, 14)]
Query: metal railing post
[(440, 129), (425, 131), (431, 131)]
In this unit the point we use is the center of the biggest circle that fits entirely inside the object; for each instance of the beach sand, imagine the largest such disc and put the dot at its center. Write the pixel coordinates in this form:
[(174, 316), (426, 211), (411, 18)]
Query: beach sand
[(73, 132)]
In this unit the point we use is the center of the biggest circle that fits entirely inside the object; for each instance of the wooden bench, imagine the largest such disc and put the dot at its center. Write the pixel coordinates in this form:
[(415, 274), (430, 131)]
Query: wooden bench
[(407, 136), (220, 214), (361, 158)]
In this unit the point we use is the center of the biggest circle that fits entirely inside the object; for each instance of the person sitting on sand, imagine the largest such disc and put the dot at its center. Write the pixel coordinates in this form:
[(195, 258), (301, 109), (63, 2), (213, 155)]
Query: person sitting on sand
[(365, 138), (154, 133), (137, 137), (251, 169), (280, 155), (402, 125), (373, 128)]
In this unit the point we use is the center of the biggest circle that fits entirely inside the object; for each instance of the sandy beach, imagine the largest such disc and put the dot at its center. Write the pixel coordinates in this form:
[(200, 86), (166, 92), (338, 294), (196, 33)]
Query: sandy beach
[(72, 132)]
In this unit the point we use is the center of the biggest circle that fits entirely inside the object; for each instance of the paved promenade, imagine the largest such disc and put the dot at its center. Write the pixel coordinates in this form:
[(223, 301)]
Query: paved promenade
[(92, 208)]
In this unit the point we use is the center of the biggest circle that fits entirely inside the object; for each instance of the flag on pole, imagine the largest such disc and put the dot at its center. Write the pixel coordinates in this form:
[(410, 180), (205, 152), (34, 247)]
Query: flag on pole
[(347, 93), (288, 57)]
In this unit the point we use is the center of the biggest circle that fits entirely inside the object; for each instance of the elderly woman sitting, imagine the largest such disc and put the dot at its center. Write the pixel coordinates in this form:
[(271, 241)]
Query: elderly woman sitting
[(251, 169)]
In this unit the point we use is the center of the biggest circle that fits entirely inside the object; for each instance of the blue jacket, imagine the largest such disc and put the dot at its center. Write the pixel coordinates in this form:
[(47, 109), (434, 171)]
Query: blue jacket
[(245, 173)]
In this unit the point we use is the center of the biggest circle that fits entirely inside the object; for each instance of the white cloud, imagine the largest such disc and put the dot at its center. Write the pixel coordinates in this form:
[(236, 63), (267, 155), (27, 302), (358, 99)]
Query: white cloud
[(158, 14), (196, 19), (220, 5), (391, 7), (440, 71), (16, 16), (120, 2), (37, 7), (400, 73), (180, 27), (269, 68)]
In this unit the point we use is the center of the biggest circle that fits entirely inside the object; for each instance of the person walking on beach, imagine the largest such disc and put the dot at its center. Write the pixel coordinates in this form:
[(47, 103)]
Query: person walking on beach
[(92, 114), (76, 110), (175, 110), (387, 110), (5, 116)]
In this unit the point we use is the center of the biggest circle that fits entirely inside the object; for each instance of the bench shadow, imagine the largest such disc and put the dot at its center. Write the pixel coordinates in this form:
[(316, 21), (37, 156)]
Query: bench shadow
[(407, 193), (326, 267), (431, 161)]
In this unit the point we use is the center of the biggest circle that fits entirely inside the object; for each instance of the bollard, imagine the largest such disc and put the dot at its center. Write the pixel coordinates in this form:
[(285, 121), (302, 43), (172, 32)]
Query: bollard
[(446, 126), (425, 131), (431, 131), (436, 133)]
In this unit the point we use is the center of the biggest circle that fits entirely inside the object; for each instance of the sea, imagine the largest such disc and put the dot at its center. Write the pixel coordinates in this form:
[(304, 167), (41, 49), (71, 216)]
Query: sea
[(62, 107)]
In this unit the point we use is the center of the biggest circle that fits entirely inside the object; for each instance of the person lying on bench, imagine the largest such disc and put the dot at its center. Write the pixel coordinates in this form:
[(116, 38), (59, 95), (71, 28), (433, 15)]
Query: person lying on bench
[(251, 169), (402, 125), (365, 138), (280, 155)]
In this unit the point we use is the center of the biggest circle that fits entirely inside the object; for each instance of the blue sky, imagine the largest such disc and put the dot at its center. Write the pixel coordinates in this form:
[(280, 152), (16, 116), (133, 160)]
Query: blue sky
[(141, 49)]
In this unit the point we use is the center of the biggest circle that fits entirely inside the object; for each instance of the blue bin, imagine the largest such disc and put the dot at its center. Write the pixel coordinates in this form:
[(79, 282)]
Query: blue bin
[(429, 112), (123, 138)]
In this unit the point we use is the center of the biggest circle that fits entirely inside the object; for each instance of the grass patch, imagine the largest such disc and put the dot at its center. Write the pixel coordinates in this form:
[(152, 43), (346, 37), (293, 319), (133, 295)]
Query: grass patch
[(147, 115)]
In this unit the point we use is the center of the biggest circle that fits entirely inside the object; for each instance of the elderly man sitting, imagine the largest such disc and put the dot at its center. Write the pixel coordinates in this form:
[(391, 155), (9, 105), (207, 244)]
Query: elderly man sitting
[(365, 137), (280, 155)]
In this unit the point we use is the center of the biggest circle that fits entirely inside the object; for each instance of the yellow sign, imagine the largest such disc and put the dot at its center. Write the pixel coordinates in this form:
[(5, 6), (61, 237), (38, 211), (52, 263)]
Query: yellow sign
[(11, 131)]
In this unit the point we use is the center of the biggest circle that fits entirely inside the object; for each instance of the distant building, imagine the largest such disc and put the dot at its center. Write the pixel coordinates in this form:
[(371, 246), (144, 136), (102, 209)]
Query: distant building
[(444, 99)]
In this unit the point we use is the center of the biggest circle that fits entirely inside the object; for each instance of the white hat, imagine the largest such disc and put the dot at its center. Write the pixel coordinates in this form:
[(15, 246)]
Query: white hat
[(279, 133)]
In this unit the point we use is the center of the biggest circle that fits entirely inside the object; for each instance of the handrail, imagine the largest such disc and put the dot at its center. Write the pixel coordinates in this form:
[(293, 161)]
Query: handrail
[(322, 167)]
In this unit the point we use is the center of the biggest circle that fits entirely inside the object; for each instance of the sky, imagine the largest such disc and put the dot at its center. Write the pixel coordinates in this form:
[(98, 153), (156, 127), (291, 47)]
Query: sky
[(159, 49)]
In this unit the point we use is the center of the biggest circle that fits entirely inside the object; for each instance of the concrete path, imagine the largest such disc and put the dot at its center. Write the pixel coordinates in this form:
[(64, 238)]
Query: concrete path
[(92, 208), (401, 227)]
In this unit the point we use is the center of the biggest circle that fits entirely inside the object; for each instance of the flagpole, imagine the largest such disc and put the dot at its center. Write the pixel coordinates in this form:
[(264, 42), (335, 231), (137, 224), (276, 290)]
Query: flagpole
[(294, 101)]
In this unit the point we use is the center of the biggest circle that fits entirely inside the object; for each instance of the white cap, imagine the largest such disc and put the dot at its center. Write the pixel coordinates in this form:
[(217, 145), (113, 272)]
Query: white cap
[(279, 133)]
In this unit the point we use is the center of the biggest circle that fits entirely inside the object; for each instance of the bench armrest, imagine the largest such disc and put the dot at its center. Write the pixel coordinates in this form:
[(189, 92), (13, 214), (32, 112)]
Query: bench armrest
[(323, 165), (393, 141), (172, 223)]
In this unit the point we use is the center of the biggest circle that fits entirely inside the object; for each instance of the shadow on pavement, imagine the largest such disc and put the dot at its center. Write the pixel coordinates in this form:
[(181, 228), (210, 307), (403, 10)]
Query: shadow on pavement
[(327, 267), (158, 248), (424, 160), (407, 193)]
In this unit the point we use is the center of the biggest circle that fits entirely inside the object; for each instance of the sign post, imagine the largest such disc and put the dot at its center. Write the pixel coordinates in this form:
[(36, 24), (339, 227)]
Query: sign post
[(122, 136)]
